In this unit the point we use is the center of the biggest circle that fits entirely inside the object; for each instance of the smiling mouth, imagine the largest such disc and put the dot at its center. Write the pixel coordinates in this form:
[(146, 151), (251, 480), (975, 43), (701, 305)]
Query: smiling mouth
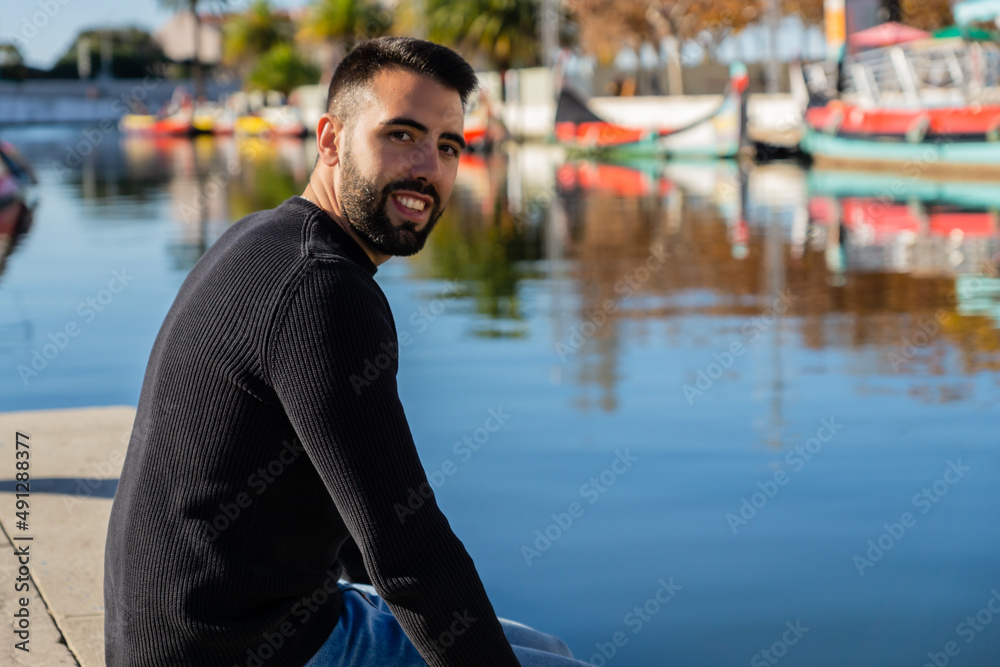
[(411, 203)]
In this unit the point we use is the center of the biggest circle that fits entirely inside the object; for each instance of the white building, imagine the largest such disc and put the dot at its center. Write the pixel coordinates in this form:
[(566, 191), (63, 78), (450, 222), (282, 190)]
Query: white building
[(176, 36)]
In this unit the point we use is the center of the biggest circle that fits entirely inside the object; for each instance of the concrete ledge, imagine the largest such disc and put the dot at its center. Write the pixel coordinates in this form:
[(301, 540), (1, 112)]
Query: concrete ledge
[(75, 460)]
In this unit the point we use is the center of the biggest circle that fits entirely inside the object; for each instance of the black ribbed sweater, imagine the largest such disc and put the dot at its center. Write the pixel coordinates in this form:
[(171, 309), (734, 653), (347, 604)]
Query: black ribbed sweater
[(256, 464)]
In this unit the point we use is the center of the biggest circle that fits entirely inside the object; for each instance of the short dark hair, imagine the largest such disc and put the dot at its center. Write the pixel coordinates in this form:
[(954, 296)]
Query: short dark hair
[(372, 56)]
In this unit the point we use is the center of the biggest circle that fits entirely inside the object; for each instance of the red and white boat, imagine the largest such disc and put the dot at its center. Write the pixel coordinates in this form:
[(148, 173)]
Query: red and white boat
[(932, 103)]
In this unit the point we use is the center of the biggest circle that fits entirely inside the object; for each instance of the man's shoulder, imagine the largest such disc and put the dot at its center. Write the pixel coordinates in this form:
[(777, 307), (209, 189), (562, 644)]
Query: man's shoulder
[(284, 223), (278, 252), (309, 229)]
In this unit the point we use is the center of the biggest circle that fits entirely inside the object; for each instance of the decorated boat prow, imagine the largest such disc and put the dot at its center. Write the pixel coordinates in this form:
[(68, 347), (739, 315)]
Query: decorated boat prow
[(718, 133)]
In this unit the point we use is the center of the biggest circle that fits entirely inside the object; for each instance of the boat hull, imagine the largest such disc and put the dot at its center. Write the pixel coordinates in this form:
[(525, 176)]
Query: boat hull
[(715, 137), (938, 156), (717, 133)]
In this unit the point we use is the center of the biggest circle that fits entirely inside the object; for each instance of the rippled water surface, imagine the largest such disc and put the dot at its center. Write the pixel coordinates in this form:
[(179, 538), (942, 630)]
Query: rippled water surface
[(740, 413)]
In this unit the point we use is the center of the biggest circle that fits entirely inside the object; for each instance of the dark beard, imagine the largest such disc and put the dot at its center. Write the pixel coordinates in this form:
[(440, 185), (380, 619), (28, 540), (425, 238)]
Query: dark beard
[(367, 211)]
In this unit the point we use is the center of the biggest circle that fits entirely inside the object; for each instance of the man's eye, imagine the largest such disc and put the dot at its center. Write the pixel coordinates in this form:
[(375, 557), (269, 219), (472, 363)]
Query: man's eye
[(451, 150), (402, 135)]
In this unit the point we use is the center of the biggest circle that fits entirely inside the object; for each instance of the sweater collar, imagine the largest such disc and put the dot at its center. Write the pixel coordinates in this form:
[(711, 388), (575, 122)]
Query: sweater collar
[(336, 232)]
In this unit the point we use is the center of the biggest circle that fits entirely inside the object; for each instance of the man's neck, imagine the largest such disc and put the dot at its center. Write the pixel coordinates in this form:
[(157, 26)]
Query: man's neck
[(320, 198)]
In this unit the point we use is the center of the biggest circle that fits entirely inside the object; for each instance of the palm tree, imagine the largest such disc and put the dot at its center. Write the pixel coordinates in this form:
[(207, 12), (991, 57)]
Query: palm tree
[(341, 24), (251, 34), (281, 68), (503, 31), (192, 6)]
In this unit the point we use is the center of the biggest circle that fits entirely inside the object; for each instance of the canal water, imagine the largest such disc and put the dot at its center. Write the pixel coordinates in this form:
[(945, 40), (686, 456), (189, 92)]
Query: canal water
[(745, 416)]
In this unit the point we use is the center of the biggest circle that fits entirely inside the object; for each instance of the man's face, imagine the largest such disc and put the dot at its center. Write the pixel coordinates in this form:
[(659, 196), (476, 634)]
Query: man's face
[(399, 160)]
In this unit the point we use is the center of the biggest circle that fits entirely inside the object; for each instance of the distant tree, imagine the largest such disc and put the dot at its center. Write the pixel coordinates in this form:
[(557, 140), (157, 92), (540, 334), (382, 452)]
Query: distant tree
[(10, 55), (134, 53), (338, 25), (281, 68), (197, 74), (503, 32), (926, 14), (250, 34), (11, 62), (810, 11), (605, 25)]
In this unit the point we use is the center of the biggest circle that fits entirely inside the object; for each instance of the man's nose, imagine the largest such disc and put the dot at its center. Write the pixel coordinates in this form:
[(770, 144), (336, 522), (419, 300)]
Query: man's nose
[(425, 163)]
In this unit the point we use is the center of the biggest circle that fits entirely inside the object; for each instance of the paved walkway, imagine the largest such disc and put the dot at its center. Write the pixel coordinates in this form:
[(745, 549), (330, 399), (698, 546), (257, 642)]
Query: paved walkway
[(74, 463)]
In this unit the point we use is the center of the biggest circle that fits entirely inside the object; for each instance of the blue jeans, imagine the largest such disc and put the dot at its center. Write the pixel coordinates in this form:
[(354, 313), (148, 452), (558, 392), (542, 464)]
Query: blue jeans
[(368, 635)]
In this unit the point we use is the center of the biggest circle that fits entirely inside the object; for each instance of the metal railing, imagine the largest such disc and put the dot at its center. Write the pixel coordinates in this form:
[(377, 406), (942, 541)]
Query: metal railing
[(919, 74)]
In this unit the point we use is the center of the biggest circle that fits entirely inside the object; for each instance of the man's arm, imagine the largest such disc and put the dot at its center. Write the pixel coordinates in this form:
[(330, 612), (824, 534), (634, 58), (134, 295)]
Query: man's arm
[(353, 562), (332, 362)]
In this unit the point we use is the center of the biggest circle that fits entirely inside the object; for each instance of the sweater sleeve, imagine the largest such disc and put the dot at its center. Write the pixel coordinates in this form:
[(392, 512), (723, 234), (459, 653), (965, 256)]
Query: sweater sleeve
[(332, 361), (353, 562)]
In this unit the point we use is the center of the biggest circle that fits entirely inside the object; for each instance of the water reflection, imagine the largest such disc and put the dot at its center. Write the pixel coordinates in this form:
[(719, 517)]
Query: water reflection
[(212, 181), (583, 298), (483, 245), (15, 222), (628, 252)]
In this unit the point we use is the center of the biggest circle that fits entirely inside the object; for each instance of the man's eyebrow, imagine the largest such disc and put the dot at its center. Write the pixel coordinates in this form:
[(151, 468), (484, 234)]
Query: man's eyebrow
[(409, 122)]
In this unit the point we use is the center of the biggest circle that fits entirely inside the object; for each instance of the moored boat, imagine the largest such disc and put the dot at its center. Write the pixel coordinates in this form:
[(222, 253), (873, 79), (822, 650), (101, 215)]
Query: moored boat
[(15, 170), (844, 133), (176, 119), (719, 132), (15, 213), (930, 105)]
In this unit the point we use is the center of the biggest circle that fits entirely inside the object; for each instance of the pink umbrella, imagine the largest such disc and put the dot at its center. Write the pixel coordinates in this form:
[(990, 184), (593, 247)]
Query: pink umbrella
[(885, 34)]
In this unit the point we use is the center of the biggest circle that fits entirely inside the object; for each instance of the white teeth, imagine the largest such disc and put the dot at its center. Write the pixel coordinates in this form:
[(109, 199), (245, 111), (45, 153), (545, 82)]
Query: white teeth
[(410, 202)]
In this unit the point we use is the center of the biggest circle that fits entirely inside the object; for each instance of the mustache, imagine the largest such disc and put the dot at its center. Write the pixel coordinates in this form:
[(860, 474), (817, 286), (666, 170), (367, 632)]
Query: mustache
[(420, 187)]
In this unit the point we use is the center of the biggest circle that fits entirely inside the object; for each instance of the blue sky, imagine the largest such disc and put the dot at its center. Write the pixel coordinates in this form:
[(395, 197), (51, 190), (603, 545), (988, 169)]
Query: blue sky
[(44, 29)]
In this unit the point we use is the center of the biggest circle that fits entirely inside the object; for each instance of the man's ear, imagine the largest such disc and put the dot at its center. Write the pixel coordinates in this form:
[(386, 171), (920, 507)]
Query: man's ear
[(329, 139)]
